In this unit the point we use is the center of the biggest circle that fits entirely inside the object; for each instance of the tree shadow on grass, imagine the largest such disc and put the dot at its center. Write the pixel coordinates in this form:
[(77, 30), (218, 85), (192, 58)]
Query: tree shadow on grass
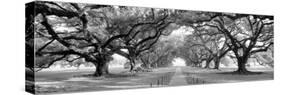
[(120, 75), (241, 73), (127, 75)]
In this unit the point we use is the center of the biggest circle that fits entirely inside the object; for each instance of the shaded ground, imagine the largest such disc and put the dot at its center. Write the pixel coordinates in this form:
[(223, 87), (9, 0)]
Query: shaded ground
[(75, 81), (66, 81), (224, 75)]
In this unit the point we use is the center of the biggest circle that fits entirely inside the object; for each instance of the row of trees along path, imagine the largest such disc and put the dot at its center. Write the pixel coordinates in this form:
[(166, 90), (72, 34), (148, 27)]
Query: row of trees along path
[(95, 32)]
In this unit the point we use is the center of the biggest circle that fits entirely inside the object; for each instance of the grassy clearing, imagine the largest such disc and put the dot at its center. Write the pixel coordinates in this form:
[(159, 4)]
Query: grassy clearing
[(119, 78), (225, 75), (66, 81)]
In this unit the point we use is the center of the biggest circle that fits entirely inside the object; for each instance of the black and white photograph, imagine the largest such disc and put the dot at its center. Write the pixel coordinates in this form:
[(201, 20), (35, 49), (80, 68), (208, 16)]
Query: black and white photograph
[(86, 47)]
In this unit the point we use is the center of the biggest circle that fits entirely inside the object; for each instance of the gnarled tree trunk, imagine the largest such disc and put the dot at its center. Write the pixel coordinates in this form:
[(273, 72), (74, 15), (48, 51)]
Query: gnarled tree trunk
[(217, 63), (132, 64), (101, 68), (242, 65)]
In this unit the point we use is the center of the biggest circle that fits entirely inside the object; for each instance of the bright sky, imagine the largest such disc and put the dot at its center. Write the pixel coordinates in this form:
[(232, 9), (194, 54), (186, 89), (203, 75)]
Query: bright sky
[(180, 33), (118, 61), (179, 62), (177, 36)]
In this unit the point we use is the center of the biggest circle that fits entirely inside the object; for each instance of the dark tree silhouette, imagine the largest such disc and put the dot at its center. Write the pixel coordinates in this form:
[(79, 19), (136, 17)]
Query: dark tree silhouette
[(213, 41), (245, 34), (94, 34)]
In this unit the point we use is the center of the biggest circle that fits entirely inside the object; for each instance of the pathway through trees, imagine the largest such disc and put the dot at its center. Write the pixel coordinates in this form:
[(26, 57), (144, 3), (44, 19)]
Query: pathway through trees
[(178, 78)]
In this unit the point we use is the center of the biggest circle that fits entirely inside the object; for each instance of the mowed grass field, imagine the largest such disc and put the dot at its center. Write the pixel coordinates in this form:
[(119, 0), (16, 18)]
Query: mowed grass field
[(119, 78), (64, 81), (225, 75)]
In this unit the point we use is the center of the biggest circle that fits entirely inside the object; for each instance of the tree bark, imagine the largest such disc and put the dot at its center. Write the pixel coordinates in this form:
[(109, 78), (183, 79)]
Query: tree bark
[(106, 68), (101, 69), (242, 65), (207, 64), (132, 64), (217, 63)]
